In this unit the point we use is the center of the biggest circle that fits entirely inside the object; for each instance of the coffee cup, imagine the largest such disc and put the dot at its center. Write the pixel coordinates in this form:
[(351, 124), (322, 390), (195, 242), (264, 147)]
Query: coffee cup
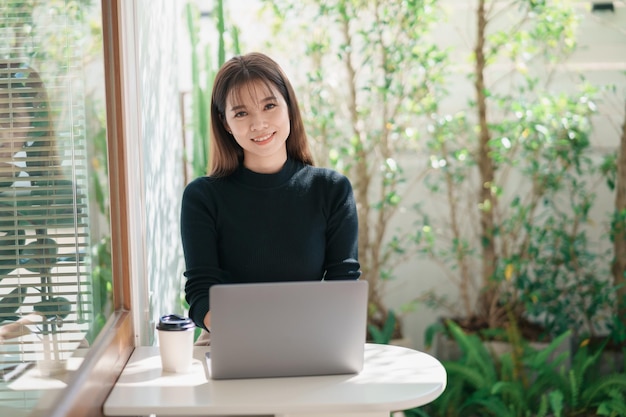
[(176, 342)]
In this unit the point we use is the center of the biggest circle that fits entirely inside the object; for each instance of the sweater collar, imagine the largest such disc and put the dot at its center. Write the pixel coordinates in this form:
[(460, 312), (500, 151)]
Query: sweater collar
[(257, 180)]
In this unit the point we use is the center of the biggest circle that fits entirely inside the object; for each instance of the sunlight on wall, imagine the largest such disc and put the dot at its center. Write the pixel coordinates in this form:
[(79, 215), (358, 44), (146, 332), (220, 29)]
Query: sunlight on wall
[(157, 24)]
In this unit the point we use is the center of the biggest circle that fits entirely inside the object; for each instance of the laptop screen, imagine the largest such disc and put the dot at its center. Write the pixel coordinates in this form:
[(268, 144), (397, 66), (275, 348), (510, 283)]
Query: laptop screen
[(296, 328)]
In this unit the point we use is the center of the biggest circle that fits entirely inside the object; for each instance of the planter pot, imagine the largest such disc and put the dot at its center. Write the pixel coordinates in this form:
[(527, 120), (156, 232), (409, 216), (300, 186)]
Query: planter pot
[(53, 361), (402, 342), (611, 360), (499, 348), (445, 348), (51, 367)]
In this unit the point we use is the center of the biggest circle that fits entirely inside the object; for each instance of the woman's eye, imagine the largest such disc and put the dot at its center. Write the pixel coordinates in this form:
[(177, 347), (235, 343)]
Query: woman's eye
[(240, 114), (270, 106)]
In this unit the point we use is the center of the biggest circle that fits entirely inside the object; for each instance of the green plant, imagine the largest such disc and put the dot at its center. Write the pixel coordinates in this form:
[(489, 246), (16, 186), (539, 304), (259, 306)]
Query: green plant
[(614, 169), (524, 382), (585, 389), (482, 383), (520, 146), (372, 72), (101, 272), (619, 234), (385, 334), (203, 70), (515, 182)]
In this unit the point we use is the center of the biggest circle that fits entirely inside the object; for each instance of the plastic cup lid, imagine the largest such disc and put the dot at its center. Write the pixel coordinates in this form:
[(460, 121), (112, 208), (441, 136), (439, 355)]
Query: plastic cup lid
[(175, 322)]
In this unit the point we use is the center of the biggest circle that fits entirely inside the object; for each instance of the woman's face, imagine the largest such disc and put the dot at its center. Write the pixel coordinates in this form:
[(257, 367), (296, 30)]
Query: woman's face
[(258, 118)]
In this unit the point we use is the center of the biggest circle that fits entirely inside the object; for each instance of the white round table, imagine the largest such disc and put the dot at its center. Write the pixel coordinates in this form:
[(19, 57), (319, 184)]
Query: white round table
[(393, 378)]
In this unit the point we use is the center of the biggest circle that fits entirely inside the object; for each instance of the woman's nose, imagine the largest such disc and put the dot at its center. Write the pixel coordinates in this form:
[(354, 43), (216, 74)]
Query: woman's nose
[(258, 122)]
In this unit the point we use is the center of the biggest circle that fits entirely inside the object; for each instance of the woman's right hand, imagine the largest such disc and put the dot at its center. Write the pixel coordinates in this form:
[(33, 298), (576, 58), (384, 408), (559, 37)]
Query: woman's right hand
[(207, 321)]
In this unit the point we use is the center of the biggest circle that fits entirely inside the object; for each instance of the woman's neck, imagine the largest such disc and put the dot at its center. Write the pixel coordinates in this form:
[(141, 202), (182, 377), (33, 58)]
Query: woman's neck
[(265, 165)]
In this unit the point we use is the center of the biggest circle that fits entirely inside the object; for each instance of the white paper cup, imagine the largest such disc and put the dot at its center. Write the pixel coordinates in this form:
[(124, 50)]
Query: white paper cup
[(176, 343)]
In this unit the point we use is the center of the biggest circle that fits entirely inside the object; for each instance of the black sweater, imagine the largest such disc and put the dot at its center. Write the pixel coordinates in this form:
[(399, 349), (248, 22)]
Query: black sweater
[(298, 224)]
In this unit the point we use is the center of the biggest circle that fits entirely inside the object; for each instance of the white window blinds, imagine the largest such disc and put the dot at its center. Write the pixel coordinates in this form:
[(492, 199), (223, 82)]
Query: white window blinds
[(46, 296)]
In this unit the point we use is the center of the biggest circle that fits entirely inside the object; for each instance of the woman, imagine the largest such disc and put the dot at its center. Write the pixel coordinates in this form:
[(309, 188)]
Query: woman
[(28, 155), (264, 213), (25, 126)]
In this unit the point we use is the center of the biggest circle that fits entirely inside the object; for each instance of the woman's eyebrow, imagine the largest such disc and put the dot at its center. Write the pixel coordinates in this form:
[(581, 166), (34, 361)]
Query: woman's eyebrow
[(238, 107), (269, 98), (243, 106)]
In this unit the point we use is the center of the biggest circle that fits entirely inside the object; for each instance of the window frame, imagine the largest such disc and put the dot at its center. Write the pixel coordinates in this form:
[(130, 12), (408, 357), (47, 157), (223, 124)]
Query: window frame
[(112, 348)]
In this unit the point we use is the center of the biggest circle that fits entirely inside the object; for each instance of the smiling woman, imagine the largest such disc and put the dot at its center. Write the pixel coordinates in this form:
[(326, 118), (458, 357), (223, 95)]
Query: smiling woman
[(265, 213)]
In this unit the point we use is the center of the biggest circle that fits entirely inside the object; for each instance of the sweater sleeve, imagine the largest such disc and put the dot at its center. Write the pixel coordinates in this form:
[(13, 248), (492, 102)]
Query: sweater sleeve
[(199, 240), (342, 233)]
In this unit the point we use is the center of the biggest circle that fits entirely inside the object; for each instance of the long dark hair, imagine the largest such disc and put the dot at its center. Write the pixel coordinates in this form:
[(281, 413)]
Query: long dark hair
[(22, 91), (237, 73)]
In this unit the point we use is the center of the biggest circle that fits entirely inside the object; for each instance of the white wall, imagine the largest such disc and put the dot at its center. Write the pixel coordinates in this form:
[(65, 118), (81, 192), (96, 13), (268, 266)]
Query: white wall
[(154, 139), (163, 159)]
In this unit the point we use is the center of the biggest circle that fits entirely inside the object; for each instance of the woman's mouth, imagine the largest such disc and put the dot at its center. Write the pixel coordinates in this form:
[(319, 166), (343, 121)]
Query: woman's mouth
[(264, 138)]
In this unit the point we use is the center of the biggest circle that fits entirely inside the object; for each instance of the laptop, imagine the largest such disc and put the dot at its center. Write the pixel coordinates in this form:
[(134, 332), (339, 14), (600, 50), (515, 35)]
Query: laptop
[(286, 329)]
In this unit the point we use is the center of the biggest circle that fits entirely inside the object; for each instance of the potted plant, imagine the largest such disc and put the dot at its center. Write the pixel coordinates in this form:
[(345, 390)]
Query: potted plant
[(525, 381), (516, 184)]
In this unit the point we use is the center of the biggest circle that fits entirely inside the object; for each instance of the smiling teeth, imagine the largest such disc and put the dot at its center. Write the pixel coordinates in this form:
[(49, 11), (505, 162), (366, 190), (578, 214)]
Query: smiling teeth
[(264, 138)]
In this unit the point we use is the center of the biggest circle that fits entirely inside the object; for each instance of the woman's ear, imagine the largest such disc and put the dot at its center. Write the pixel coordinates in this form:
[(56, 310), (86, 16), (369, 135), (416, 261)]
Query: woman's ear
[(223, 120)]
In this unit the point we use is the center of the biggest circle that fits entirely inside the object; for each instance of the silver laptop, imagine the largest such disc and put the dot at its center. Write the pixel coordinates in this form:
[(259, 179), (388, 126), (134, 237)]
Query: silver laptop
[(301, 328)]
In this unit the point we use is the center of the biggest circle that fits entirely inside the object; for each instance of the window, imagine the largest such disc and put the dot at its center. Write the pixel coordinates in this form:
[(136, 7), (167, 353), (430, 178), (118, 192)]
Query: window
[(57, 285)]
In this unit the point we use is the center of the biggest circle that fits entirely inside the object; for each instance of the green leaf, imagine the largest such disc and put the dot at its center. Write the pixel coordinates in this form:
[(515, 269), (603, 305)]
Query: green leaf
[(555, 399)]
